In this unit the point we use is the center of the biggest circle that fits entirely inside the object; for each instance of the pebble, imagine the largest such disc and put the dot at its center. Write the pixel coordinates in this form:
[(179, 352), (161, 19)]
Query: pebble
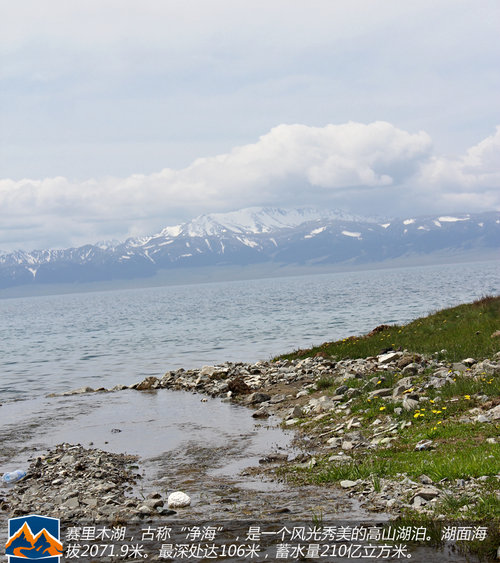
[(250, 384), (70, 480), (347, 484)]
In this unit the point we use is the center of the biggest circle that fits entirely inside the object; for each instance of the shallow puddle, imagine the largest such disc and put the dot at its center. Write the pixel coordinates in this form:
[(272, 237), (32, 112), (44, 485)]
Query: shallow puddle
[(185, 442)]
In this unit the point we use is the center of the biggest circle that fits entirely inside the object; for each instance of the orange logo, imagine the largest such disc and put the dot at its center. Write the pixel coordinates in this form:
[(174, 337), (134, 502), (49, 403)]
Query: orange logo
[(33, 537)]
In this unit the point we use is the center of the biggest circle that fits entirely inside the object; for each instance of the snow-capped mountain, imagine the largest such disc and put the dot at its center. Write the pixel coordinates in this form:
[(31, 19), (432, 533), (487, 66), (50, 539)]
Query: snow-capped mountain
[(258, 220), (304, 236)]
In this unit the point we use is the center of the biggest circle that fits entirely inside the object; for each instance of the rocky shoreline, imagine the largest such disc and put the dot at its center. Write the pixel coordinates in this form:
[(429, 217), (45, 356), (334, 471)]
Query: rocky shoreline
[(313, 396), (289, 390)]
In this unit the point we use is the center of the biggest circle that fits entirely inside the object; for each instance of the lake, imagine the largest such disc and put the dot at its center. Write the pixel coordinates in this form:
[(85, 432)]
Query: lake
[(60, 342)]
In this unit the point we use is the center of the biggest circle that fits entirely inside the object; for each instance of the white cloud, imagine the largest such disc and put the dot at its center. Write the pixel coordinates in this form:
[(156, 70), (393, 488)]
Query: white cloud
[(94, 87), (366, 168), (469, 182)]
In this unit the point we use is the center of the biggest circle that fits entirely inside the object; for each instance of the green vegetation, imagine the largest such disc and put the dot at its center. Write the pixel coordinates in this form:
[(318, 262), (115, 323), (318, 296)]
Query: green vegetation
[(460, 450), (324, 383), (463, 331), (449, 462), (447, 414), (485, 550)]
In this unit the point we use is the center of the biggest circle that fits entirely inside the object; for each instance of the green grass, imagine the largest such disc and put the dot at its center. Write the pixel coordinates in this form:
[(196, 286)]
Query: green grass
[(466, 386), (485, 550), (463, 331), (448, 461), (460, 451), (460, 446), (324, 383)]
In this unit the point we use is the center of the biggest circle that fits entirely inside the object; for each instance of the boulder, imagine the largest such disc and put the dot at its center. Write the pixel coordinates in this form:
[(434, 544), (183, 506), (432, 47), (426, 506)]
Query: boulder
[(322, 404), (148, 383), (408, 359), (340, 459), (178, 500), (409, 404), (388, 357), (494, 413), (424, 445), (256, 398), (427, 493), (384, 392), (275, 399), (296, 412), (237, 386), (208, 370), (79, 391), (411, 369), (347, 484)]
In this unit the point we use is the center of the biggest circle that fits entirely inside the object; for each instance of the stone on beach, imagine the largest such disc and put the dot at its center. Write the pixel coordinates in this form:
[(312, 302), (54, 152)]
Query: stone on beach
[(178, 500)]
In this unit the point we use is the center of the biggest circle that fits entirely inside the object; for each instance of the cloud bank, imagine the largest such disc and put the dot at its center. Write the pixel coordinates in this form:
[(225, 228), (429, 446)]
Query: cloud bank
[(372, 168)]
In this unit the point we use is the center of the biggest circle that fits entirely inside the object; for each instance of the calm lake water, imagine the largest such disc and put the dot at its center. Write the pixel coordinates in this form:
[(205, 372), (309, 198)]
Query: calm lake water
[(56, 343), (60, 342)]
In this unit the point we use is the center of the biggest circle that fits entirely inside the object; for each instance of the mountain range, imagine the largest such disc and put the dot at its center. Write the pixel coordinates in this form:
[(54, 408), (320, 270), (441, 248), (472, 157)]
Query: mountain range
[(305, 237)]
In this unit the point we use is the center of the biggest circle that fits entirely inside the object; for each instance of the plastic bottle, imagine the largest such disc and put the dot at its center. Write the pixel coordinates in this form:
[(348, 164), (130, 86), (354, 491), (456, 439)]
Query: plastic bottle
[(14, 476)]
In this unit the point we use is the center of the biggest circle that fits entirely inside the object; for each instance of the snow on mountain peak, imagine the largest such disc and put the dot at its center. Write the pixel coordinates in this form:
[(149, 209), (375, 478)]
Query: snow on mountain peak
[(258, 220), (174, 231)]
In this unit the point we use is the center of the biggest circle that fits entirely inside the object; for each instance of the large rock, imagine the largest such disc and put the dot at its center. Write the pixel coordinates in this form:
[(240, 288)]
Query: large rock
[(384, 392), (389, 357), (256, 398), (322, 404), (237, 386), (427, 493), (411, 369), (402, 386), (79, 391), (494, 413), (148, 383), (296, 412), (347, 483), (487, 367), (208, 370), (408, 359), (178, 500), (409, 404)]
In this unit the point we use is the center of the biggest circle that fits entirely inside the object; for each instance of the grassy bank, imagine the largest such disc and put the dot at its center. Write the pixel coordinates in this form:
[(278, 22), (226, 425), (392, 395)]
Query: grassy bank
[(464, 447), (463, 331)]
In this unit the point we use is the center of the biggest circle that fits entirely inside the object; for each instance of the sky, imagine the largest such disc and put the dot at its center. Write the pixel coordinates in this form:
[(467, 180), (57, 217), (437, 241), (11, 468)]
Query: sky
[(120, 118)]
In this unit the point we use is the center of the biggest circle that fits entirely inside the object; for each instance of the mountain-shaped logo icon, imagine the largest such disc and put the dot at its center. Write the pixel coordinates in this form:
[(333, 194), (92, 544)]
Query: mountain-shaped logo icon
[(33, 538)]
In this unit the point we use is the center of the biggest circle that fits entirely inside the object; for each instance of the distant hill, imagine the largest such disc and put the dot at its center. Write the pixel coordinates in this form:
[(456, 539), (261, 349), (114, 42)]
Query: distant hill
[(298, 237)]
